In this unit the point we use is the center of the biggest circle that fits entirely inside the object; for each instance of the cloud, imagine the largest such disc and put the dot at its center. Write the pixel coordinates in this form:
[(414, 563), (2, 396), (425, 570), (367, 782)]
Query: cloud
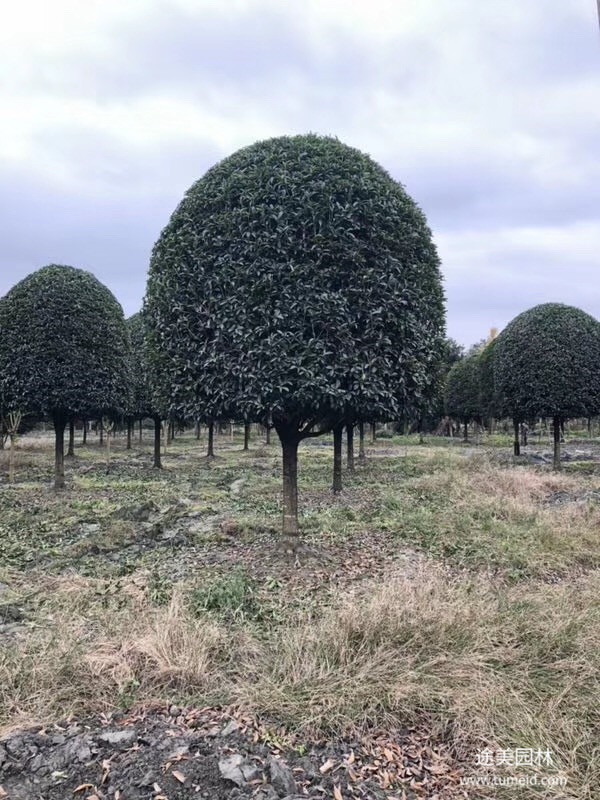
[(488, 113)]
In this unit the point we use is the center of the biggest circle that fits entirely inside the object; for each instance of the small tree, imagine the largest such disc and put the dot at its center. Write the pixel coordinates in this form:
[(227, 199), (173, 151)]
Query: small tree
[(296, 279), (462, 395), (64, 350), (547, 363)]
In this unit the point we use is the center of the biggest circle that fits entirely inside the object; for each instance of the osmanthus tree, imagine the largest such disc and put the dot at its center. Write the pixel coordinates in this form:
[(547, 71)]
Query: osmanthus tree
[(64, 351), (462, 394), (296, 281), (547, 364)]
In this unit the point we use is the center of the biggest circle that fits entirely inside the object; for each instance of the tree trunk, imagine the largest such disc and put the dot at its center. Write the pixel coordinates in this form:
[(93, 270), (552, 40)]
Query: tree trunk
[(169, 433), (268, 441), (211, 439), (337, 458), (140, 434), (129, 427), (466, 432), (157, 431), (557, 465), (289, 447), (101, 432), (362, 458), (11, 457), (350, 447), (71, 449), (246, 436), (84, 437), (523, 435), (59, 451), (517, 443), (197, 431), (373, 431)]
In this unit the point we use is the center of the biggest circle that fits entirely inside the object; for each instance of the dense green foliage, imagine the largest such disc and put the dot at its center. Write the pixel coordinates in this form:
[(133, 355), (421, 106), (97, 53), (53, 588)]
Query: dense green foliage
[(462, 392), (64, 349), (489, 402), (297, 278), (547, 363), (141, 391)]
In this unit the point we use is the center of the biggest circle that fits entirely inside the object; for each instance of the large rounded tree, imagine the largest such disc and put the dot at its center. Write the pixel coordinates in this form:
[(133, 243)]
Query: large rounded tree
[(296, 279), (64, 351), (547, 364)]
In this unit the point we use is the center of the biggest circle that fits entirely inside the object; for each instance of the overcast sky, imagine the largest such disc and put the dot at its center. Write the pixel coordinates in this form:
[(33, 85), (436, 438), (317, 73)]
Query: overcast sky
[(488, 112)]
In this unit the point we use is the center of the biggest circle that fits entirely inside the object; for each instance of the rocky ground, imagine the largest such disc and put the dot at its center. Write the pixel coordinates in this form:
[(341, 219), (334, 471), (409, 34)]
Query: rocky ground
[(181, 753)]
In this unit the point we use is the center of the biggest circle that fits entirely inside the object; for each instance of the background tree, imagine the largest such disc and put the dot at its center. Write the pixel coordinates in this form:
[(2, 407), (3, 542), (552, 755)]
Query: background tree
[(296, 278), (142, 394), (462, 394), (64, 351), (547, 363)]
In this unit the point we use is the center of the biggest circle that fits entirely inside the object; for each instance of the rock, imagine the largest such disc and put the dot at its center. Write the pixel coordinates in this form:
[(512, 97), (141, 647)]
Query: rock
[(236, 486), (282, 777), (117, 737), (266, 792), (230, 768), (76, 750), (230, 728), (174, 711), (3, 756)]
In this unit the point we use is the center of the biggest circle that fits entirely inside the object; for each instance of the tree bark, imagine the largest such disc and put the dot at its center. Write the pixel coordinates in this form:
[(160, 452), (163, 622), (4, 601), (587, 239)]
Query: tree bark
[(169, 432), (157, 431), (211, 440), (84, 437), (289, 447), (101, 424), (362, 458), (557, 435), (140, 434), (268, 440), (517, 443), (337, 458), (466, 432), (71, 448), (246, 435), (197, 430), (350, 447), (129, 427), (59, 451)]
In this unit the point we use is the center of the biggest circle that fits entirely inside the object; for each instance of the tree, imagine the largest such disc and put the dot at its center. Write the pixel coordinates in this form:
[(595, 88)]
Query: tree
[(142, 396), (462, 390), (295, 279), (64, 351), (547, 363)]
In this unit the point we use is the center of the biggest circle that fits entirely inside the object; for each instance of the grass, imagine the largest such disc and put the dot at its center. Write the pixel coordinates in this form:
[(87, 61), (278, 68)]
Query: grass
[(445, 587)]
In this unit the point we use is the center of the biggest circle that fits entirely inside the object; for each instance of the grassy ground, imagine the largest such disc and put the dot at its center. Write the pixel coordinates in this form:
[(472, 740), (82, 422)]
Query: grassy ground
[(445, 587)]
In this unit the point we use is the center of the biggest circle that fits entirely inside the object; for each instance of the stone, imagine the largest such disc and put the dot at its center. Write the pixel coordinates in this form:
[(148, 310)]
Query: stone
[(282, 777), (117, 737), (230, 768), (230, 728)]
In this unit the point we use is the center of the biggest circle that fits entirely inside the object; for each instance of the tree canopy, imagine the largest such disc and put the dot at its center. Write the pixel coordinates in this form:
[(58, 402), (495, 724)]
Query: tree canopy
[(547, 363), (462, 395)]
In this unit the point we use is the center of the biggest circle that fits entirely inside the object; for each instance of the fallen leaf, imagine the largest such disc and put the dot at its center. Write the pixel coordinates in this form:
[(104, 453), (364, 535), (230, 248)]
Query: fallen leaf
[(337, 793), (328, 765), (178, 776), (83, 786), (3, 792)]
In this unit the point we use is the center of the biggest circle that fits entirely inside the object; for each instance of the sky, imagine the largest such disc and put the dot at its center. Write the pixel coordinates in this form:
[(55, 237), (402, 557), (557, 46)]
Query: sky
[(487, 112)]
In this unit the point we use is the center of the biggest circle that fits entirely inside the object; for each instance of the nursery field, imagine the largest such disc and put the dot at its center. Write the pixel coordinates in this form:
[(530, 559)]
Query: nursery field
[(444, 609)]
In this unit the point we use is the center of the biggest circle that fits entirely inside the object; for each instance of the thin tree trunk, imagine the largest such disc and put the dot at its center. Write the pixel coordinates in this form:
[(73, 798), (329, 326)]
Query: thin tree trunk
[(362, 458), (71, 448), (84, 437), (557, 465), (517, 443), (337, 458), (289, 447), (129, 427), (101, 432), (169, 432), (59, 451), (268, 440), (466, 432), (197, 430), (211, 440), (11, 457), (350, 447), (246, 436), (157, 432), (140, 430)]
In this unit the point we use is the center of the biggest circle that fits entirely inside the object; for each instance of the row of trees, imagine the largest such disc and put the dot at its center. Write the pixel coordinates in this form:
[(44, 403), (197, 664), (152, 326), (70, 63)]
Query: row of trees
[(545, 363), (297, 285)]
